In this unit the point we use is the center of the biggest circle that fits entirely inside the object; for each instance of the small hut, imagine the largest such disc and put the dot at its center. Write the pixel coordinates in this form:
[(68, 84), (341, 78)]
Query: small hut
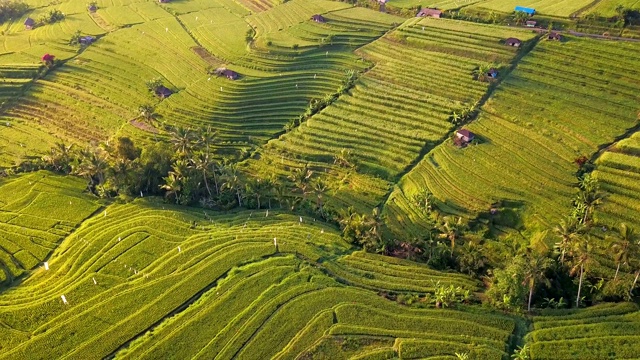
[(492, 73), (531, 23), (555, 36), (29, 23), (164, 1), (463, 137), (428, 12), (162, 92), (86, 40), (318, 18), (513, 42), (229, 74), (92, 8)]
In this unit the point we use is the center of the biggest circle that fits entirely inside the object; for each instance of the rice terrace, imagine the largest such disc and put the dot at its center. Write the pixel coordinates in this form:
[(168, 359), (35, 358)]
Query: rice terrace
[(320, 179)]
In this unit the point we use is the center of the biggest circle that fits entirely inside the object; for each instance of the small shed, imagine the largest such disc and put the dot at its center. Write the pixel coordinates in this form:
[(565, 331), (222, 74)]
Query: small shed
[(427, 12), (555, 36), (29, 23), (531, 23), (164, 1), (492, 73), (526, 10), (86, 40), (229, 74), (92, 8), (162, 92), (513, 42), (318, 18), (464, 137)]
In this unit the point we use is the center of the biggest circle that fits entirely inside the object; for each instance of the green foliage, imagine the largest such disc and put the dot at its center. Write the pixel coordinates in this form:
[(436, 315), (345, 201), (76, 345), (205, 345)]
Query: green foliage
[(12, 10), (51, 17)]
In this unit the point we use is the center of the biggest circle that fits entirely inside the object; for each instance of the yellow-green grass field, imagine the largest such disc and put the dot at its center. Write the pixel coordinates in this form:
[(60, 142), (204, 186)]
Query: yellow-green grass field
[(147, 279), (423, 73), (606, 331), (618, 170), (539, 120), (608, 7), (561, 8), (37, 211)]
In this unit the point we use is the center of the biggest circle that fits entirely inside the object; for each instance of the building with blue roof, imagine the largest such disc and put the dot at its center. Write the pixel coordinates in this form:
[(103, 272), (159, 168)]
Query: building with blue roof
[(527, 10)]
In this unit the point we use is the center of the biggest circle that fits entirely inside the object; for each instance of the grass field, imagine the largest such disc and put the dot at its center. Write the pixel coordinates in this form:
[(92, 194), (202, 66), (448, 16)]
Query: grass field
[(530, 135), (203, 285), (608, 331), (618, 170), (37, 212), (561, 8), (608, 7), (404, 103)]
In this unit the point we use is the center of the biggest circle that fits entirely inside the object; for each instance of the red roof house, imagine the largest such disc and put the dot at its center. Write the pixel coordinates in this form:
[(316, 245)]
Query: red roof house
[(48, 59)]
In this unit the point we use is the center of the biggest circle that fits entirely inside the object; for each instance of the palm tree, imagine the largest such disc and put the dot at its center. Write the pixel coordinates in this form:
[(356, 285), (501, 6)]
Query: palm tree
[(181, 139), (535, 266), (93, 165), (320, 188), (568, 230), (172, 185), (207, 138), (451, 229), (232, 182), (147, 112), (522, 353), (202, 163), (581, 263), (521, 17), (60, 157)]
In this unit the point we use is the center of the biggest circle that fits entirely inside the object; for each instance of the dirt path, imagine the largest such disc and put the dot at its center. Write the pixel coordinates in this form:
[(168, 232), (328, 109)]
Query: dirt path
[(593, 36)]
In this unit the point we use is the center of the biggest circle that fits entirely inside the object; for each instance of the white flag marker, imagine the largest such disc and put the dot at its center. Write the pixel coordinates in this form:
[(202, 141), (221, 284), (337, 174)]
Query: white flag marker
[(46, 265)]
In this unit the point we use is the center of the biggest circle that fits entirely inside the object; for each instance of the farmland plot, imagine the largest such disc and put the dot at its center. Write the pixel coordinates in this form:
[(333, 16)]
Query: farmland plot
[(36, 212), (541, 118), (276, 82), (607, 331), (145, 263), (423, 73), (561, 8), (618, 171)]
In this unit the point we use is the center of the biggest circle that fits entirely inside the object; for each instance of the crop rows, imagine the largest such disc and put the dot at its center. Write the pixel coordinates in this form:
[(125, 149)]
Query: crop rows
[(423, 73), (530, 134), (562, 8), (608, 331), (201, 286), (36, 213), (618, 171)]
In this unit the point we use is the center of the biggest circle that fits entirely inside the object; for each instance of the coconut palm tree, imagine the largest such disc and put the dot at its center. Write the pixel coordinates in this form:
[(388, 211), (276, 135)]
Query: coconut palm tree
[(147, 112), (581, 263), (172, 185), (181, 139), (232, 182), (451, 228), (535, 266), (202, 163), (568, 230)]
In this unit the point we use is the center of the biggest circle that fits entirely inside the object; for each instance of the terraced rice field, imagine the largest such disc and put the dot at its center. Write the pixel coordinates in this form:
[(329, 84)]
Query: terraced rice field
[(608, 331), (540, 119), (423, 72), (608, 7), (618, 171), (281, 71), (561, 8), (144, 280), (37, 212)]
